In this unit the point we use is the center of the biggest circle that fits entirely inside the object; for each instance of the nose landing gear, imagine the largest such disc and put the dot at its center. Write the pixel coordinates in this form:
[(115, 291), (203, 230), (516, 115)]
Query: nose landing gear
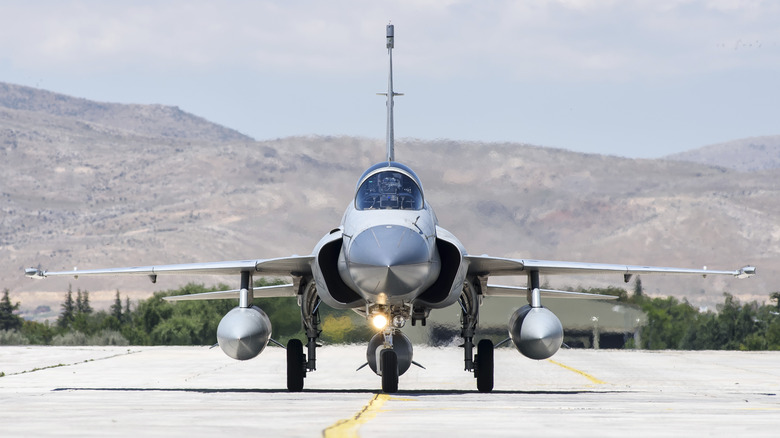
[(389, 369)]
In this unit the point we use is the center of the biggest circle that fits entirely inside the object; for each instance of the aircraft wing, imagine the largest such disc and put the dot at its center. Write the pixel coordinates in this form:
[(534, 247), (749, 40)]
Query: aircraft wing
[(284, 266), (486, 265)]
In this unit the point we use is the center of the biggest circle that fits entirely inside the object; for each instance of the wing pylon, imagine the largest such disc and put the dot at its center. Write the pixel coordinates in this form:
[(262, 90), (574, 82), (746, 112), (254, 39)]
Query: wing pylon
[(281, 290), (496, 290)]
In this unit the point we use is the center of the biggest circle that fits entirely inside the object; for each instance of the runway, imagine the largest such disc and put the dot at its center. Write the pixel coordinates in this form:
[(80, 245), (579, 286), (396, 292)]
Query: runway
[(195, 391)]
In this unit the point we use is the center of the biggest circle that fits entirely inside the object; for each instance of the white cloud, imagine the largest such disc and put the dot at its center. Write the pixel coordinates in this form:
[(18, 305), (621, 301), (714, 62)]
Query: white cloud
[(239, 61), (574, 37)]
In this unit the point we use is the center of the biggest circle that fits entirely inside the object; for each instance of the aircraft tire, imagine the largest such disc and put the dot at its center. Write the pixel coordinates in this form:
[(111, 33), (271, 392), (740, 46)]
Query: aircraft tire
[(484, 365), (389, 371), (295, 372)]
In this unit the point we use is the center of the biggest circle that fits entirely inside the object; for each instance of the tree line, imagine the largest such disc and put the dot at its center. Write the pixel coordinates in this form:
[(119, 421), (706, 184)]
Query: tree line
[(154, 321), (672, 324)]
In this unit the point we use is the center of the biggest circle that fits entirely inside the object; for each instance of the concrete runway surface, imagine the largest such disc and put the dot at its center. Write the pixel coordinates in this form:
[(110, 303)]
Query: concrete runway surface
[(195, 391)]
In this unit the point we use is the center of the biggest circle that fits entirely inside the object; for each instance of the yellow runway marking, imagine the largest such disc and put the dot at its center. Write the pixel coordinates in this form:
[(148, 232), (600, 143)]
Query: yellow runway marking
[(582, 373), (348, 428)]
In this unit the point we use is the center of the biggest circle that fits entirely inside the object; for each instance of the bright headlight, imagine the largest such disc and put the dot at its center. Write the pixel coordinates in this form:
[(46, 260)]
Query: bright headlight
[(379, 321)]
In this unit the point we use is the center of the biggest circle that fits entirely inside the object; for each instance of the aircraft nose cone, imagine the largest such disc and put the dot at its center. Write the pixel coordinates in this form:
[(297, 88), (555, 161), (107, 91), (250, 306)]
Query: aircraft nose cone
[(388, 245), (389, 259)]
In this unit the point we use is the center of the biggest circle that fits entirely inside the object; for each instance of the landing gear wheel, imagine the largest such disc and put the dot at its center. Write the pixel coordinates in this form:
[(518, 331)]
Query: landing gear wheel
[(295, 364), (389, 367), (483, 365)]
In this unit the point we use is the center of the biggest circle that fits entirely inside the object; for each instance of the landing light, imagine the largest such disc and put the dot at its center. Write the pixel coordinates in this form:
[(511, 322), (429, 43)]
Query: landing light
[(379, 321)]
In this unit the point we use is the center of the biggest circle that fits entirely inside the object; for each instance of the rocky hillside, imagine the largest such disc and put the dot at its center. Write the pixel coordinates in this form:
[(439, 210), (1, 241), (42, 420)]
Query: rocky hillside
[(747, 155), (90, 188), (141, 120)]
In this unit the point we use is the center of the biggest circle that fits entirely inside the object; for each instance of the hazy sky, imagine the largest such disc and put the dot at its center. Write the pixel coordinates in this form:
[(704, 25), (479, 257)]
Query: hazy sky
[(633, 78)]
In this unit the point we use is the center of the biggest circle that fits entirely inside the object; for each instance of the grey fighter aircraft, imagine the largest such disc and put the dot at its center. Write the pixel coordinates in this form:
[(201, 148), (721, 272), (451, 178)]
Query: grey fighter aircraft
[(390, 261)]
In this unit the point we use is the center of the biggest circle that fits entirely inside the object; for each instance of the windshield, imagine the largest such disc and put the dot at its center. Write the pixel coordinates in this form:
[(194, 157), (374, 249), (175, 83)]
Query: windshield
[(389, 190)]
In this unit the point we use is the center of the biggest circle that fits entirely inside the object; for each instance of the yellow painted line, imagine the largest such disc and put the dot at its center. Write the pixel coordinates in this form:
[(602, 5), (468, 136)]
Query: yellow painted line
[(402, 399), (582, 373), (348, 428)]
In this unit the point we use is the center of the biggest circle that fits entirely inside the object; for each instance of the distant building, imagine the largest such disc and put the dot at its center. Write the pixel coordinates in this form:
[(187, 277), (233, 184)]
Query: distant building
[(586, 323)]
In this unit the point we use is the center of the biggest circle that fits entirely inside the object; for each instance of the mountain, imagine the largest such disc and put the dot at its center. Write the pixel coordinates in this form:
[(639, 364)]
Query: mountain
[(745, 155), (143, 120), (87, 188)]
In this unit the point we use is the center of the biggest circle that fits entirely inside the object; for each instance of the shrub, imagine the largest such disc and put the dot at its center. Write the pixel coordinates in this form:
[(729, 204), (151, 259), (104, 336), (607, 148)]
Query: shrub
[(12, 337)]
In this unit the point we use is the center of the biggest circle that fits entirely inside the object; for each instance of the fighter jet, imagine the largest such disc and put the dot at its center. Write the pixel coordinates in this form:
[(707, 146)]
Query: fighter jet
[(390, 261)]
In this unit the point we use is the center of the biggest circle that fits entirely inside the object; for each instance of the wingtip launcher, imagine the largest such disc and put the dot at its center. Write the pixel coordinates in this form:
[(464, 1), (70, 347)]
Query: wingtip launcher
[(746, 272), (35, 273), (40, 274)]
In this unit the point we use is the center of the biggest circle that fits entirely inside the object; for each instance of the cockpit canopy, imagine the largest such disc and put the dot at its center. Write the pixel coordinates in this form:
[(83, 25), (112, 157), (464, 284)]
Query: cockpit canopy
[(389, 186)]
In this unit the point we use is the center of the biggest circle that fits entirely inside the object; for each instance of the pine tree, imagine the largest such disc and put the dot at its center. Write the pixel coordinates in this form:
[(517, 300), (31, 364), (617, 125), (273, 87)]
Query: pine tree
[(68, 310), (638, 291), (87, 306), (127, 307), (116, 308), (79, 302), (8, 320), (82, 302)]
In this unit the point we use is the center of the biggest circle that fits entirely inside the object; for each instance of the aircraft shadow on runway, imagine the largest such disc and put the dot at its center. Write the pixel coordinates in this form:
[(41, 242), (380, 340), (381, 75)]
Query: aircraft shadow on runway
[(414, 392)]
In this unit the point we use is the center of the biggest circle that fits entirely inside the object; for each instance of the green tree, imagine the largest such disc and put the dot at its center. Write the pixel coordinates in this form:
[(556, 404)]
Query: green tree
[(68, 314), (701, 334), (775, 296), (38, 333), (285, 316), (773, 333), (610, 290), (735, 322), (116, 308), (82, 302), (156, 321), (178, 330), (147, 315), (79, 303), (638, 290), (668, 323), (9, 320)]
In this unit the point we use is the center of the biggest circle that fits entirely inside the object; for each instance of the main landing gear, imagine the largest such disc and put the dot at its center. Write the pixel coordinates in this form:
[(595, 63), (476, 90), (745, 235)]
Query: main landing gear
[(297, 363), (482, 363)]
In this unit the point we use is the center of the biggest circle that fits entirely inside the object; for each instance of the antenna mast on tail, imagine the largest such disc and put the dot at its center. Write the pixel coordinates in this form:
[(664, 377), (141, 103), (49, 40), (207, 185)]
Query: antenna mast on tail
[(390, 94)]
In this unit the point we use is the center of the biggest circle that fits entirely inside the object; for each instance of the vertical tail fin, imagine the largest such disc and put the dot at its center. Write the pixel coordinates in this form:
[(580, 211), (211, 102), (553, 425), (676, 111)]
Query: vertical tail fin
[(390, 94)]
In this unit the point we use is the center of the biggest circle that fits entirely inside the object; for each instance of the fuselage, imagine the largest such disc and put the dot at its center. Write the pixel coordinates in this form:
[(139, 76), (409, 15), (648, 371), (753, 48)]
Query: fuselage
[(388, 252)]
